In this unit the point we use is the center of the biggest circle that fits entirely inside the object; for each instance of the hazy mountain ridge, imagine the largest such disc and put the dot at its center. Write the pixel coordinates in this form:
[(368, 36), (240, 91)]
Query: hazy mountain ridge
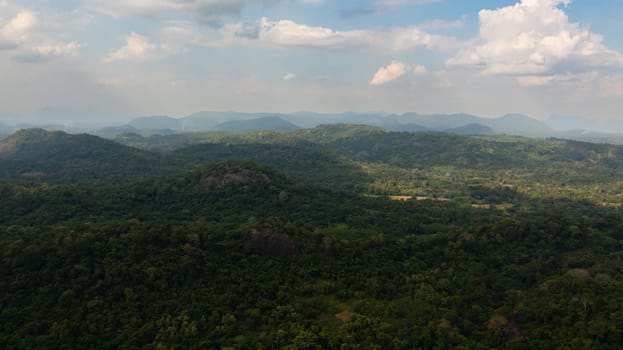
[(510, 124), (576, 128), (263, 123)]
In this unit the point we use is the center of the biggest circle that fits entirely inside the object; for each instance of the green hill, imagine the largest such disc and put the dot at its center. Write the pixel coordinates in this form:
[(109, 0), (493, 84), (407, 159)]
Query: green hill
[(441, 165), (310, 164), (39, 155)]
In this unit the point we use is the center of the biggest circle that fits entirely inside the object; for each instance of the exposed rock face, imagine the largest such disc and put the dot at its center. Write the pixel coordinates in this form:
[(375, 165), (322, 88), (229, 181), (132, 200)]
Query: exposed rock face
[(329, 247), (272, 243), (344, 316), (243, 176)]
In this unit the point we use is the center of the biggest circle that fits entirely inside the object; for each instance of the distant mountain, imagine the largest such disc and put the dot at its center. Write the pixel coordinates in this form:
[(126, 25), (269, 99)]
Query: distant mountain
[(513, 124), (460, 123), (265, 123), (37, 154), (438, 122), (112, 132), (156, 123), (201, 121), (576, 123), (467, 124), (312, 119), (471, 130), (518, 124), (204, 121)]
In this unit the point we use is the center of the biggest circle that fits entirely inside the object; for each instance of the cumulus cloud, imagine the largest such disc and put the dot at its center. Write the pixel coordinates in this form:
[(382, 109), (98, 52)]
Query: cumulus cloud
[(389, 73), (419, 69), (207, 11), (47, 51), (287, 33), (18, 29), (289, 77), (31, 39), (536, 40), (140, 48), (396, 70), (290, 33)]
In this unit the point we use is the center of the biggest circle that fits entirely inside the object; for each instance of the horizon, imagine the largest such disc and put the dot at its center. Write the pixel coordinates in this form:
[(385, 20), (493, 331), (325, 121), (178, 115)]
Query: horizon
[(67, 117)]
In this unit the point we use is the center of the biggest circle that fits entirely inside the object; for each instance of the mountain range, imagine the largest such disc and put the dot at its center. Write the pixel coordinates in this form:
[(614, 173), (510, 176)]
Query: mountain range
[(577, 128)]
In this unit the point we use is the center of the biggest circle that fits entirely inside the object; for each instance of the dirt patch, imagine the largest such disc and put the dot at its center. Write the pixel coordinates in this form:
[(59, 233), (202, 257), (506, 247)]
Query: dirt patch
[(581, 274), (401, 198)]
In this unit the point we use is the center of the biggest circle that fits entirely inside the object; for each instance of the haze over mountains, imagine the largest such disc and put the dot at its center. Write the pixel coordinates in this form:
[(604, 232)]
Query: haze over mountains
[(578, 128)]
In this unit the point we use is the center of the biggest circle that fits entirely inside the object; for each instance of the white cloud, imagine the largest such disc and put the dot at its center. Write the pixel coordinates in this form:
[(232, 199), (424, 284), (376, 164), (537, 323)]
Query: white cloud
[(287, 33), (138, 48), (389, 73), (396, 70), (419, 69), (535, 38), (58, 49), (31, 38), (20, 28), (289, 77)]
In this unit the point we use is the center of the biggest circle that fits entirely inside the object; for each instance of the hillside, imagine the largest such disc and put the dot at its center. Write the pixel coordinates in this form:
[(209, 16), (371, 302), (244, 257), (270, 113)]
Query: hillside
[(348, 157), (435, 164), (312, 165), (238, 255), (224, 191), (39, 155)]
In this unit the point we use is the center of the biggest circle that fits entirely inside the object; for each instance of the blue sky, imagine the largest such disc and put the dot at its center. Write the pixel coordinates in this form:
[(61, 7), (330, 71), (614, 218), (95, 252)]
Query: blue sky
[(140, 57)]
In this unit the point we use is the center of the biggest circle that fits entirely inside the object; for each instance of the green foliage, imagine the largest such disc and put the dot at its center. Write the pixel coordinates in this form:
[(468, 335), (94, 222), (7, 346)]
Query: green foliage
[(513, 248)]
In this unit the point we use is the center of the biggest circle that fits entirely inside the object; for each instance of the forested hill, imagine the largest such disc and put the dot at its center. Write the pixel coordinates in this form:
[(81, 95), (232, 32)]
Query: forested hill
[(39, 155), (236, 255), (410, 149), (348, 157), (233, 191), (425, 164)]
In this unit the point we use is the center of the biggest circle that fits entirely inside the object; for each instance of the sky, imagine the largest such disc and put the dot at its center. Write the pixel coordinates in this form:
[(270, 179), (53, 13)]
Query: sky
[(176, 57)]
